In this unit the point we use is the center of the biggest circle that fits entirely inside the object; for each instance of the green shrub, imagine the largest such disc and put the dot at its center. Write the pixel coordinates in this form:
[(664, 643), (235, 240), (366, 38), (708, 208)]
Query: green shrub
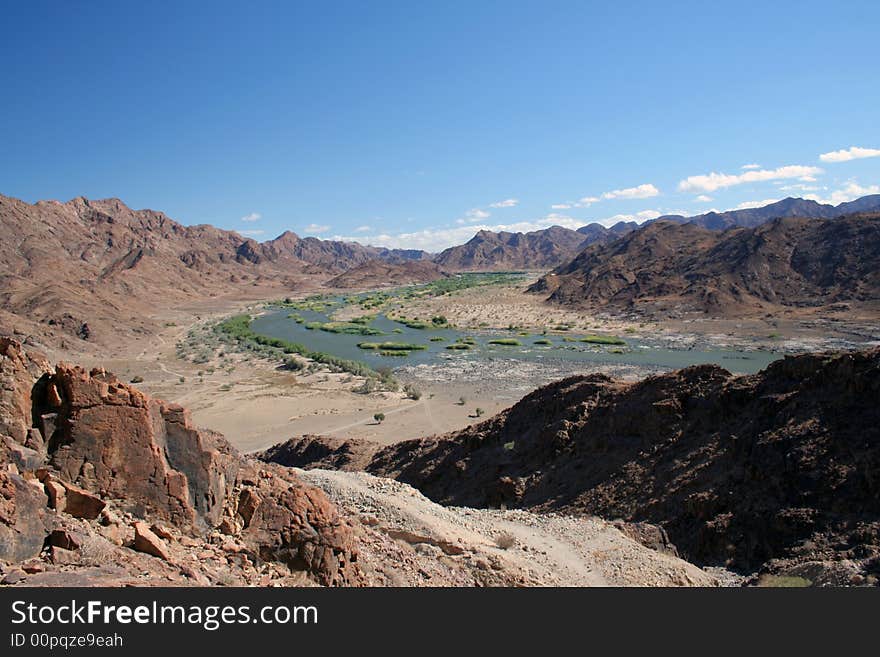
[(392, 346), (506, 342), (602, 339)]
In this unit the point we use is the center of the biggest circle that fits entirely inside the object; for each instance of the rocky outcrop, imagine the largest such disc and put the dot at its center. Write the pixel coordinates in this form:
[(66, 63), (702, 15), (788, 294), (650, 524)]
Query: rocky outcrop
[(765, 471), (108, 450), (23, 518), (284, 520), (669, 267)]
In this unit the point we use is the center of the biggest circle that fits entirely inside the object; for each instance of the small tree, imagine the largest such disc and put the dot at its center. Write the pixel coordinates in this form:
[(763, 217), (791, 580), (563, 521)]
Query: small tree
[(479, 412), (462, 401), (379, 417)]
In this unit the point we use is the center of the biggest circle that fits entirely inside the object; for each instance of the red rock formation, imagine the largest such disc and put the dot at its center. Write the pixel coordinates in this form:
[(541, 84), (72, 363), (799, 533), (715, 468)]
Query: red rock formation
[(108, 442)]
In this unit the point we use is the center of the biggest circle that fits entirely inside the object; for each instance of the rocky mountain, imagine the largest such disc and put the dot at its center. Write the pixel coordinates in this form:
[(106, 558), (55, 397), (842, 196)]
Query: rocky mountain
[(376, 273), (332, 255), (78, 268), (488, 250), (770, 472), (666, 265), (787, 207)]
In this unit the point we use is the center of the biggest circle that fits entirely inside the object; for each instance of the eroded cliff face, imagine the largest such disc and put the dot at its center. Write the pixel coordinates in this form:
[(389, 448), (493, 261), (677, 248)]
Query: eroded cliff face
[(85, 455)]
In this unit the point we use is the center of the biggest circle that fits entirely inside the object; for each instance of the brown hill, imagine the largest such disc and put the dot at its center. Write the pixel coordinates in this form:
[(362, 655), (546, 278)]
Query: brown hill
[(332, 255), (785, 262), (376, 273), (774, 470), (83, 266), (87, 268), (540, 249)]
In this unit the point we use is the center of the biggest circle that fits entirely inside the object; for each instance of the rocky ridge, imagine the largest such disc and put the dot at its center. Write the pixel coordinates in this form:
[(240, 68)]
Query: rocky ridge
[(668, 267), (766, 473)]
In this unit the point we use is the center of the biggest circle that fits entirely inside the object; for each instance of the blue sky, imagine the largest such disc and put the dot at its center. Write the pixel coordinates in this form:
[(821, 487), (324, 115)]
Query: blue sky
[(415, 124)]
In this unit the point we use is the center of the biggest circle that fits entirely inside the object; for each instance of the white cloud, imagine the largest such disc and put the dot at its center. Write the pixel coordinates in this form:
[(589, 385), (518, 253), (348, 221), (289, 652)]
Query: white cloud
[(316, 228), (507, 203), (851, 153), (799, 187), (253, 216), (250, 233), (584, 202), (363, 229), (474, 215), (646, 190), (747, 167), (748, 205), (702, 198), (850, 192), (711, 182)]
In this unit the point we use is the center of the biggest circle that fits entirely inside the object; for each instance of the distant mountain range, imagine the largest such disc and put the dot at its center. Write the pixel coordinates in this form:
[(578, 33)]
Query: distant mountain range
[(540, 249), (787, 207), (62, 263), (667, 265)]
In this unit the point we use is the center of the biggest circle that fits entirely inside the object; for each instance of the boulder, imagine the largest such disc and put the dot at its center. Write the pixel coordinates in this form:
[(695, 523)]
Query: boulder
[(297, 525), (23, 518), (146, 541)]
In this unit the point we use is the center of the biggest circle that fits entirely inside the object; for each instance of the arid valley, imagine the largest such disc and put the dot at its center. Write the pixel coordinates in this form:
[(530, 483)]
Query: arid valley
[(336, 414)]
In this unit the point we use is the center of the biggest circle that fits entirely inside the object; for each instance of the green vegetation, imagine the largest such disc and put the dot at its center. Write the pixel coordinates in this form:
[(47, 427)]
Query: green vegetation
[(542, 341), (439, 320), (412, 392), (506, 342), (237, 330), (459, 346), (437, 338), (137, 379), (412, 323), (510, 446), (379, 417), (349, 328), (401, 354), (316, 303), (392, 346), (602, 339)]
